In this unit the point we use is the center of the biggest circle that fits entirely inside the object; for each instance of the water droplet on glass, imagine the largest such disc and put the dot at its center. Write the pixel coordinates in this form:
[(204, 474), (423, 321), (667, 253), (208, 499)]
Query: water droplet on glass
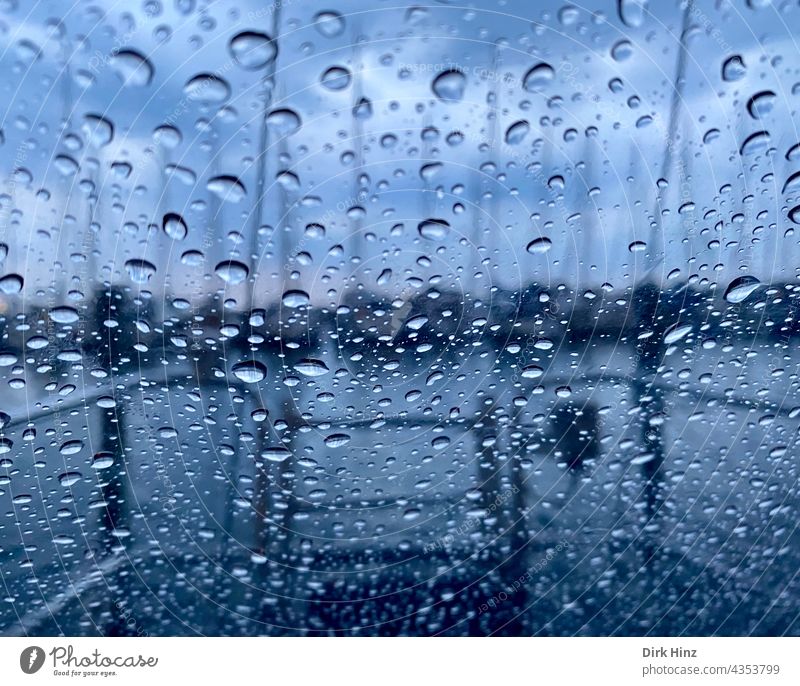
[(539, 246), (140, 270), (64, 315), (11, 284), (632, 12), (449, 85), (740, 288), (761, 104), (416, 322), (329, 23), (517, 132), (755, 143), (174, 226), (621, 50), (733, 68), (434, 229), (284, 121), (98, 130), (227, 188), (295, 298), (249, 371), (792, 184), (276, 453), (675, 332), (335, 78), (337, 440), (232, 272), (133, 68), (102, 460), (362, 109), (68, 479), (532, 371), (207, 88), (253, 50), (538, 77), (311, 367)]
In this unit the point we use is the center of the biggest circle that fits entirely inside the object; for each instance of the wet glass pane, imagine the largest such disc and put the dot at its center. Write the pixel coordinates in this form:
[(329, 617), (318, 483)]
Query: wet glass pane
[(362, 319)]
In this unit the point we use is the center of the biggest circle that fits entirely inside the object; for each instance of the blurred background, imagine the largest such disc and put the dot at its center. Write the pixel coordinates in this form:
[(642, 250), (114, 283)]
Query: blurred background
[(458, 319)]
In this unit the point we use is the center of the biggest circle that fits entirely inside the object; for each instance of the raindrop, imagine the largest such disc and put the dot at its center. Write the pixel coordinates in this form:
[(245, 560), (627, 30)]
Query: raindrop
[(538, 77), (539, 246), (232, 272), (417, 322), (675, 332), (517, 132), (295, 298), (740, 288), (311, 367), (329, 23), (253, 50), (276, 453), (337, 440), (532, 371), (72, 447), (440, 442), (755, 143), (174, 226), (632, 12), (733, 68), (249, 371), (449, 85), (64, 315), (11, 283), (192, 258), (139, 270), (68, 479), (428, 171), (207, 88), (761, 104), (433, 229), (98, 130), (622, 50), (362, 109), (168, 136), (227, 188), (133, 68), (335, 78), (384, 277), (102, 460), (792, 184), (66, 165), (284, 121)]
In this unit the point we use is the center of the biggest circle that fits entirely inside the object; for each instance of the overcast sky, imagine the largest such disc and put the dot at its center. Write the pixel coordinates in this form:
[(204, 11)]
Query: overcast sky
[(581, 169)]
